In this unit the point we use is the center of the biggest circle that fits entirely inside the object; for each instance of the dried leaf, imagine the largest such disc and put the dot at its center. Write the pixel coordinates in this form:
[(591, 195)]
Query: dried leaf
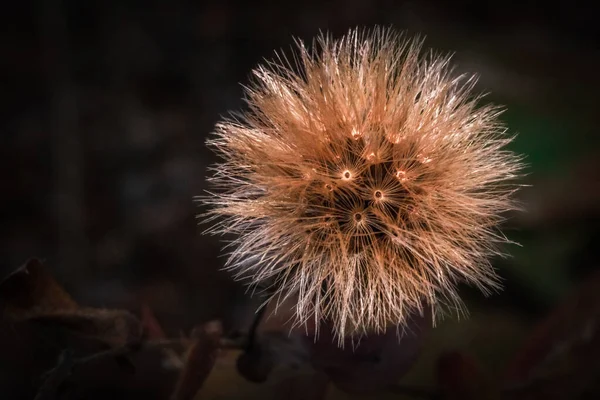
[(199, 361), (151, 325), (30, 294), (461, 378), (31, 290), (112, 327), (154, 331)]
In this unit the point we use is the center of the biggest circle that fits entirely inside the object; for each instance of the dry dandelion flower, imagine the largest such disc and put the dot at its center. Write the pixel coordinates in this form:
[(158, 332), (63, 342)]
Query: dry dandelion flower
[(368, 183)]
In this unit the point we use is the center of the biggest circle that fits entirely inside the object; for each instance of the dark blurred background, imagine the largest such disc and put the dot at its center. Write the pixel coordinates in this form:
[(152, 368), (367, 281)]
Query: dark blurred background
[(106, 106)]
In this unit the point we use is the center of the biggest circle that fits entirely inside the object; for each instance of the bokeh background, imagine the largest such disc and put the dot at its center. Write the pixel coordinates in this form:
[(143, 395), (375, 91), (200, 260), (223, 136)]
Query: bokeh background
[(105, 107)]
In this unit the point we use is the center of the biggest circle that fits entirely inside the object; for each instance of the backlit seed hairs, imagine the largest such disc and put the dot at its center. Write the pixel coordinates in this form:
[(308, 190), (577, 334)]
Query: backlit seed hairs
[(364, 180)]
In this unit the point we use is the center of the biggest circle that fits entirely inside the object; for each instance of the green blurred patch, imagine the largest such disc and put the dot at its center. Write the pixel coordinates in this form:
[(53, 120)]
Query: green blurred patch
[(549, 142)]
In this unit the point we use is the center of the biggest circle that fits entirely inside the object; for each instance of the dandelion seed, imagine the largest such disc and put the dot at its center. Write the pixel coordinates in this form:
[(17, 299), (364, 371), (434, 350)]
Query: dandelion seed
[(401, 175), (366, 254)]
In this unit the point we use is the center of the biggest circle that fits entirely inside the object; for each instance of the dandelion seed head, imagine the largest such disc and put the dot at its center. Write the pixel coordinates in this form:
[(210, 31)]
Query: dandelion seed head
[(365, 179)]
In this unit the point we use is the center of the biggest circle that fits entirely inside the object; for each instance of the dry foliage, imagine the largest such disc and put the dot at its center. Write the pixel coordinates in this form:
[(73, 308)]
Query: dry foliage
[(33, 303)]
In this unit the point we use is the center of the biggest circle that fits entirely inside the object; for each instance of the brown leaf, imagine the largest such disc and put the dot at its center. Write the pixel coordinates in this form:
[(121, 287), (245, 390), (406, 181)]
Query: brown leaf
[(199, 360), (460, 377), (112, 327), (153, 331), (561, 359), (31, 290), (30, 294), (151, 325)]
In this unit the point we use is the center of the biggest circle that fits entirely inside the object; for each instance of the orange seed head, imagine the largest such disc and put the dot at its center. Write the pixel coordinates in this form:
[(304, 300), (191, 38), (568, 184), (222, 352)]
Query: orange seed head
[(367, 184)]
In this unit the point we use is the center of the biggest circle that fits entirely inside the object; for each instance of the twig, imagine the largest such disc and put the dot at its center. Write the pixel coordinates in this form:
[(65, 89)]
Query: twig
[(251, 339), (258, 317)]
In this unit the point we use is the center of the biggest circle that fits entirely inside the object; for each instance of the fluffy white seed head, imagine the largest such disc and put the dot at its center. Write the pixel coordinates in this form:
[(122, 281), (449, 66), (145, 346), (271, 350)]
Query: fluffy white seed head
[(364, 179)]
